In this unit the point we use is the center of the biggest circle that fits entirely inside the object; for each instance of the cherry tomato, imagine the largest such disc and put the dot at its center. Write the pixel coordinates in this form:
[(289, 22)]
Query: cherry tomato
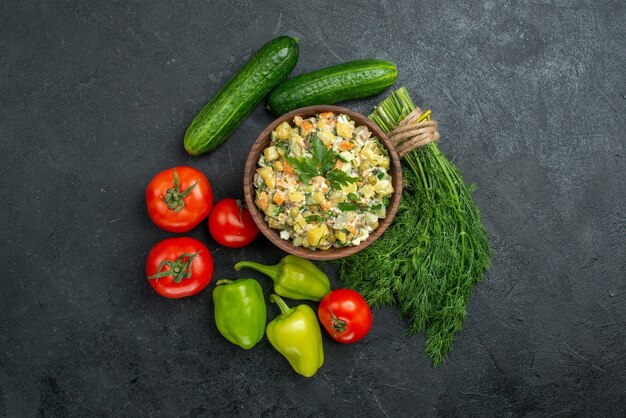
[(345, 315), (179, 199), (231, 224), (179, 267)]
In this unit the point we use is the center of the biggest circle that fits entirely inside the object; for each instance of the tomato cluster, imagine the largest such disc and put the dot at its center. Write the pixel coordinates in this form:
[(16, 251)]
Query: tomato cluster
[(178, 200)]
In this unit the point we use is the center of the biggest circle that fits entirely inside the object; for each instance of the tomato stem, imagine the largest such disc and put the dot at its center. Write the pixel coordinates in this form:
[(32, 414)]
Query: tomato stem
[(175, 199), (179, 269), (338, 325), (241, 206)]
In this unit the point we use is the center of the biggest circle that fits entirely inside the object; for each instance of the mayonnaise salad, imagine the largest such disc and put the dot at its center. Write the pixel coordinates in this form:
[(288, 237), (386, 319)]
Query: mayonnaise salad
[(323, 182)]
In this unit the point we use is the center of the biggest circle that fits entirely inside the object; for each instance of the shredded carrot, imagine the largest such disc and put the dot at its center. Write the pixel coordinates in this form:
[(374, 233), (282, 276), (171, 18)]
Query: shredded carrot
[(345, 145), (325, 204), (306, 128), (326, 115), (263, 201), (279, 197), (287, 168)]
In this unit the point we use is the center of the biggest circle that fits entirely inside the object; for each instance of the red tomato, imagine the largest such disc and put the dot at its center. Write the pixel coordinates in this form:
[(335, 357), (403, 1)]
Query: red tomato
[(345, 315), (179, 199), (231, 224), (179, 267)]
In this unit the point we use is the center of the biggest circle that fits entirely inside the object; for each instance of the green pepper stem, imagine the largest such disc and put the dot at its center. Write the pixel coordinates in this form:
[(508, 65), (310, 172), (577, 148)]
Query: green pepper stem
[(284, 309), (223, 281), (271, 271)]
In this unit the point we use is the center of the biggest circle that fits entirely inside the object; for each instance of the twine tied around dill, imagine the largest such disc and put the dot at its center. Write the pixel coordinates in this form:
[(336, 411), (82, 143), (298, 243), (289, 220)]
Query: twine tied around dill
[(415, 131)]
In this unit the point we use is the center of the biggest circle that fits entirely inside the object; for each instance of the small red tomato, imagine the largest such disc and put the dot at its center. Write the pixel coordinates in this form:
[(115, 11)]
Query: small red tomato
[(179, 199), (231, 224), (179, 267), (345, 315)]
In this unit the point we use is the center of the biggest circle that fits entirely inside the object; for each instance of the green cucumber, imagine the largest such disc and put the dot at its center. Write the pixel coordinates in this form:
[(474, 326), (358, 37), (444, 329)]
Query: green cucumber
[(352, 80), (244, 91)]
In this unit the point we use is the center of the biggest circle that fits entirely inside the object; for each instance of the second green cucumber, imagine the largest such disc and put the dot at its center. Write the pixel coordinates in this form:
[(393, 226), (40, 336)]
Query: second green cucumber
[(351, 80)]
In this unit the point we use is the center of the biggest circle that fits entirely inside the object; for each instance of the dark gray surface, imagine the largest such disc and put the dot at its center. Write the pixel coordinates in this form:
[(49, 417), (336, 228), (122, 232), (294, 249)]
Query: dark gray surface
[(531, 99)]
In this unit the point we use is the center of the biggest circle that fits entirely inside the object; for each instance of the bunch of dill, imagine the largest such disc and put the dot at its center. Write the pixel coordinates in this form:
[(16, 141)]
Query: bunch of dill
[(434, 251)]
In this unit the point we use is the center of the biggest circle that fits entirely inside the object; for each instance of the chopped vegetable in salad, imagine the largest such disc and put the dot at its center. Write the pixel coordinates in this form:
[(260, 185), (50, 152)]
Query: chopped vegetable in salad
[(323, 182)]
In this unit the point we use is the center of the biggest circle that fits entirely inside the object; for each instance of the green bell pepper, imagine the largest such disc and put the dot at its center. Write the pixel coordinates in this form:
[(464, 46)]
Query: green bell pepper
[(240, 311), (294, 278), (296, 334)]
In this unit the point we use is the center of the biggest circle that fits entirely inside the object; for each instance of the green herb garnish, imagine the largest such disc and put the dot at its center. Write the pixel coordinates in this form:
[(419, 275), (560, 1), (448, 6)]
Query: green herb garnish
[(325, 158), (321, 164), (346, 206), (313, 218), (338, 179), (284, 145), (305, 167), (380, 174), (435, 249), (352, 197)]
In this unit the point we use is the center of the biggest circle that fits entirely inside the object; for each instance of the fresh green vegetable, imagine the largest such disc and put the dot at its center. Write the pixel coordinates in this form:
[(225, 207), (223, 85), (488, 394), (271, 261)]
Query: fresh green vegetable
[(240, 311), (294, 278), (351, 80), (434, 251), (296, 334), (245, 90), (321, 164), (314, 218), (345, 206)]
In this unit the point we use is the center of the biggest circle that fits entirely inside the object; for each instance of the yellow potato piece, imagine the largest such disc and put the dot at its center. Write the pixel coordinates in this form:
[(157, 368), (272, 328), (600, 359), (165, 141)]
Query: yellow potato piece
[(299, 224), (340, 235), (316, 235), (296, 196), (267, 174), (368, 191), (350, 188), (344, 130), (383, 187), (283, 131), (270, 154), (326, 136)]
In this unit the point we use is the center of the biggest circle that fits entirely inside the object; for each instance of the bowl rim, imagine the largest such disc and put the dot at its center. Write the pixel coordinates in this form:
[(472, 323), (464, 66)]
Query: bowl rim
[(273, 234)]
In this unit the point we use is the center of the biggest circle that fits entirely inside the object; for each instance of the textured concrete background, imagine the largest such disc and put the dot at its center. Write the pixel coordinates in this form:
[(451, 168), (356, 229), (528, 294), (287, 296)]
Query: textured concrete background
[(95, 99)]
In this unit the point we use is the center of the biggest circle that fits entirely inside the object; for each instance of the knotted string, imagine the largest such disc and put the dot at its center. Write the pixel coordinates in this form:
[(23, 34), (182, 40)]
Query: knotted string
[(411, 134)]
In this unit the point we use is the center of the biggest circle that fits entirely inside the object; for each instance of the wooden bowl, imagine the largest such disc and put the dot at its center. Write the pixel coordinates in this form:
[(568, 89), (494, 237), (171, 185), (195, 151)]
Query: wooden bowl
[(263, 141)]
